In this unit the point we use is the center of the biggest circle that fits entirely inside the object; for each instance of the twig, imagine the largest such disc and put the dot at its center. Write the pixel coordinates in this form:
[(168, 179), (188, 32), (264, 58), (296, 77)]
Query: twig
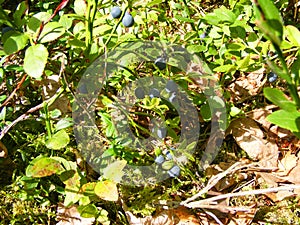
[(215, 179), (26, 115), (14, 91), (198, 204), (214, 217)]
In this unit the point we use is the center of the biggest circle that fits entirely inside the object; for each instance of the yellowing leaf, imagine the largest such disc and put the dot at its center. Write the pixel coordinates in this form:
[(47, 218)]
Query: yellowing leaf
[(43, 167), (114, 171), (107, 190)]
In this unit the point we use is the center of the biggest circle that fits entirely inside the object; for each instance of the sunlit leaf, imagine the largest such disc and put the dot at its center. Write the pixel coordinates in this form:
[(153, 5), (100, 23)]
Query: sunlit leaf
[(35, 60), (107, 190), (43, 167), (59, 140)]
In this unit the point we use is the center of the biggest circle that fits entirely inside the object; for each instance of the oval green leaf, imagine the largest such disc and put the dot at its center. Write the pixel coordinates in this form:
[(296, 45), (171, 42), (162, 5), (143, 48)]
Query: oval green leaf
[(107, 190), (15, 42), (43, 167), (35, 60), (59, 140), (51, 31)]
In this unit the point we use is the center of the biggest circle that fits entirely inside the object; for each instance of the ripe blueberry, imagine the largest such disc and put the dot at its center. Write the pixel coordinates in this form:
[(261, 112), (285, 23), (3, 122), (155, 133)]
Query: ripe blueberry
[(272, 77), (160, 63), (171, 86), (159, 159), (139, 93), (172, 98), (154, 93), (127, 20), (169, 155), (203, 35), (116, 12), (162, 132), (174, 171), (6, 29)]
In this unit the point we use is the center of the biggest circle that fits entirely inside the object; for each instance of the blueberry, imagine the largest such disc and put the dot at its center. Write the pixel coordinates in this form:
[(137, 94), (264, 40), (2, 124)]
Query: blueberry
[(159, 159), (172, 97), (160, 63), (6, 29), (154, 93), (127, 20), (272, 77), (116, 12), (162, 132), (169, 155), (139, 93), (171, 86), (203, 35), (174, 171)]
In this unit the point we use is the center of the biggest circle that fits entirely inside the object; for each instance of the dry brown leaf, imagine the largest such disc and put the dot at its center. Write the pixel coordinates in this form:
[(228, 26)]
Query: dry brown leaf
[(260, 115), (177, 216), (246, 86), (249, 137), (287, 164), (227, 181), (71, 216), (242, 218)]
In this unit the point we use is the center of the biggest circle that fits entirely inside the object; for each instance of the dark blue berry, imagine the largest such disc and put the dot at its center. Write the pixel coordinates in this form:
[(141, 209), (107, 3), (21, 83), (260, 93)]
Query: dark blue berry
[(127, 20), (203, 35), (169, 155), (174, 171), (116, 12), (272, 77), (6, 29), (139, 93), (160, 63), (154, 93), (172, 98), (162, 132), (171, 86), (159, 159)]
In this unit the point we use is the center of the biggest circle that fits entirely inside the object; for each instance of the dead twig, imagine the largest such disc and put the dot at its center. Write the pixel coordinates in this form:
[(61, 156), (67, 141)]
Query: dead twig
[(212, 200)]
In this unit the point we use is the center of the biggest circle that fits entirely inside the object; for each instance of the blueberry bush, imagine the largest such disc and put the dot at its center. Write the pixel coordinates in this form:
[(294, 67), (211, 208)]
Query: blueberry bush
[(55, 55)]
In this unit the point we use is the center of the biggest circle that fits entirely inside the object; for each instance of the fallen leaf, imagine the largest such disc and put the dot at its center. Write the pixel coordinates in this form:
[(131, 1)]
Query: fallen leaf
[(249, 137), (287, 164)]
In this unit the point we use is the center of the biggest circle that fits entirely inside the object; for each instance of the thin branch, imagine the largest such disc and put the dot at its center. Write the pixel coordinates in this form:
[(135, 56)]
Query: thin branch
[(199, 204), (35, 108)]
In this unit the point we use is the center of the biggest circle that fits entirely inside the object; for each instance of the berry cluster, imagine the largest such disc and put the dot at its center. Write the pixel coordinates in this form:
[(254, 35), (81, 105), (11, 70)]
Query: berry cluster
[(127, 20), (162, 159)]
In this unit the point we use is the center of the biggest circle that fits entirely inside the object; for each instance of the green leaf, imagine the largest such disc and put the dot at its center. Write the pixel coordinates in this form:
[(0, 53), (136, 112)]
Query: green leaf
[(51, 31), (88, 211), (269, 20), (15, 42), (114, 171), (286, 119), (35, 60), (278, 98), (205, 112), (184, 19), (293, 34), (196, 48), (80, 7), (59, 140), (19, 14), (107, 190), (43, 167), (64, 123)]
